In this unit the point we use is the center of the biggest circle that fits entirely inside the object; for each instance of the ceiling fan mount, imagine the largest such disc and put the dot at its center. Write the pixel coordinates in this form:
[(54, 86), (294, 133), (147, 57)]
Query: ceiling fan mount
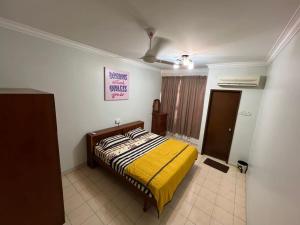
[(151, 54), (150, 31)]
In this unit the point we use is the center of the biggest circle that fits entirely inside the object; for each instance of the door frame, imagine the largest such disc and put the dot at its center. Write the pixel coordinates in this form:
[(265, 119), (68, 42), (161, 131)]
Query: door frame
[(208, 115)]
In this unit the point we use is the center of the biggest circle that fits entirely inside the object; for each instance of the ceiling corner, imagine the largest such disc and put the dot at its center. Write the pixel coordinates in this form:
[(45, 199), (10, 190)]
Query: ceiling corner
[(292, 27)]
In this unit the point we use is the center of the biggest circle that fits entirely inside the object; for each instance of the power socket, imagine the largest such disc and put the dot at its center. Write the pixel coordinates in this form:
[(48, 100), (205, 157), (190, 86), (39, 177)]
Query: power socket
[(117, 121)]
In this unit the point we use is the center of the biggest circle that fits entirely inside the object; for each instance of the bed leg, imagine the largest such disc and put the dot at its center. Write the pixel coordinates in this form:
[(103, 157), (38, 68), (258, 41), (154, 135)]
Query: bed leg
[(91, 163), (145, 204)]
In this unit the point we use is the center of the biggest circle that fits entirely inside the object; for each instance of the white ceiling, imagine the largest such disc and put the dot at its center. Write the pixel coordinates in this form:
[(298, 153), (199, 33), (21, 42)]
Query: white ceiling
[(213, 31)]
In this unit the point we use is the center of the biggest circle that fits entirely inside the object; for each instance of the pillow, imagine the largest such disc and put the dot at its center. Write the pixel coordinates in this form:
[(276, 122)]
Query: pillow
[(136, 133), (112, 141)]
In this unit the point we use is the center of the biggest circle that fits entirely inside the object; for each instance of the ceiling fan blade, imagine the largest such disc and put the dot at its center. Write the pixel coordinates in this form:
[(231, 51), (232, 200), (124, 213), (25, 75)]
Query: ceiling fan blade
[(159, 44), (164, 62)]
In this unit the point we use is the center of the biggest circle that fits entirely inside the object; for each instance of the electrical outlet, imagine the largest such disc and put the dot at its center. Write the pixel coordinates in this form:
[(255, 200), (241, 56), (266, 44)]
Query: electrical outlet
[(117, 121), (245, 113)]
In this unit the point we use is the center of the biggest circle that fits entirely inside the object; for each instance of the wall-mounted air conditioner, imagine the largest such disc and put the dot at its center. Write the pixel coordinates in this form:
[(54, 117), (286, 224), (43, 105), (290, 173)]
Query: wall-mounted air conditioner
[(252, 81)]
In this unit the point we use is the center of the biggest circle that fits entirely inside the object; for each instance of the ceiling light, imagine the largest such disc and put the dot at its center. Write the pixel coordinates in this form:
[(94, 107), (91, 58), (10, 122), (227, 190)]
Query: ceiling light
[(185, 60), (175, 66), (191, 66)]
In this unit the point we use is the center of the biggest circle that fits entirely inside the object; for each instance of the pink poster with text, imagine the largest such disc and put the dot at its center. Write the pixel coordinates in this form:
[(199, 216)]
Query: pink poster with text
[(116, 85)]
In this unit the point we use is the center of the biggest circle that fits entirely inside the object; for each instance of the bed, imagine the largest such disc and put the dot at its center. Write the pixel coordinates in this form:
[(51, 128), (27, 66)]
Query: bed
[(152, 165)]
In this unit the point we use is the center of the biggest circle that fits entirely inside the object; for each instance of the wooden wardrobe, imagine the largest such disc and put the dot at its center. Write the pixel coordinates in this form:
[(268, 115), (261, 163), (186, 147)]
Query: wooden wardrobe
[(31, 187), (159, 119), (159, 123)]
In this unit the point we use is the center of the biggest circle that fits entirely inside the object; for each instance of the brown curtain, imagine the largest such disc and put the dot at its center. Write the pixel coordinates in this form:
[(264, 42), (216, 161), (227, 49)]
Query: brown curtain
[(169, 92), (182, 98)]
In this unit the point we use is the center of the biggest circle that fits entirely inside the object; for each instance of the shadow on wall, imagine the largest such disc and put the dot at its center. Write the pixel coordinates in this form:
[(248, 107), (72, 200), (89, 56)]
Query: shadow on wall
[(79, 152), (262, 83)]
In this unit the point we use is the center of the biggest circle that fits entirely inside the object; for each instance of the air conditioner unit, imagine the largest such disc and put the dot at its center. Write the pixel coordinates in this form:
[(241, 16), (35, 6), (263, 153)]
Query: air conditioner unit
[(252, 81)]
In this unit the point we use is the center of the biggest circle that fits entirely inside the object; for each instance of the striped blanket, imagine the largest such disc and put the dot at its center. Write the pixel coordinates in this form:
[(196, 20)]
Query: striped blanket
[(119, 163), (120, 156)]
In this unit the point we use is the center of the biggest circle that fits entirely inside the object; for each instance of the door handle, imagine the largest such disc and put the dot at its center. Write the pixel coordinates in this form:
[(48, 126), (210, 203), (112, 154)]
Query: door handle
[(229, 129)]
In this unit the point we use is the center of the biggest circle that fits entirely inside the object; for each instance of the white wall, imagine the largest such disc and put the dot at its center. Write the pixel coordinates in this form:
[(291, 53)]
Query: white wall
[(185, 72), (250, 101), (273, 181), (76, 78)]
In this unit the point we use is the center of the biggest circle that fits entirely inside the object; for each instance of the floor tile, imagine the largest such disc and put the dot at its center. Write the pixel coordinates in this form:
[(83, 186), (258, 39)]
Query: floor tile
[(67, 221), (211, 185), (206, 197), (75, 175), (208, 194), (88, 193), (65, 181), (98, 202), (198, 217), (227, 193), (121, 220), (227, 205), (241, 193), (215, 222), (240, 212), (222, 216), (228, 184), (194, 187), (107, 212), (146, 219), (83, 183), (240, 200), (93, 220), (188, 222), (80, 215), (184, 208), (204, 205), (200, 180), (133, 210), (238, 221), (88, 172), (69, 191), (174, 219), (72, 203), (189, 197)]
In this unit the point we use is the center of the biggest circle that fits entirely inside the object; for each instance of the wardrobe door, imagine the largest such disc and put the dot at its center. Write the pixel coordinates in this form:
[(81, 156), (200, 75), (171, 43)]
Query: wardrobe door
[(31, 188)]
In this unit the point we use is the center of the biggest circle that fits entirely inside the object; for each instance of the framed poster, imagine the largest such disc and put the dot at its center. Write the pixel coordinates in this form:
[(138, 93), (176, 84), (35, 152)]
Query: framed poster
[(116, 85)]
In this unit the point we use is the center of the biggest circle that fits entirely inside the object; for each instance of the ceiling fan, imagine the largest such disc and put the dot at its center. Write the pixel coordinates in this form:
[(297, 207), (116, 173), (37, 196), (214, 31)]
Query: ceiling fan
[(184, 61), (151, 54)]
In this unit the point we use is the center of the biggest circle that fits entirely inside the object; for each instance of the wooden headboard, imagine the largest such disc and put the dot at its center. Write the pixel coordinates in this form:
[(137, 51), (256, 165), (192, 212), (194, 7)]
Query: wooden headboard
[(93, 137)]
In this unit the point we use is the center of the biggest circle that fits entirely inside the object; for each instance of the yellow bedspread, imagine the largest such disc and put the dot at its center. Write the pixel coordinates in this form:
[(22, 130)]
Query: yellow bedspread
[(163, 168)]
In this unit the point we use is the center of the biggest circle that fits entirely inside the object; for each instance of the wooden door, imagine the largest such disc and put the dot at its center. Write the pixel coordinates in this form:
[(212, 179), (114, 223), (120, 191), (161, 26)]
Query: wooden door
[(220, 123)]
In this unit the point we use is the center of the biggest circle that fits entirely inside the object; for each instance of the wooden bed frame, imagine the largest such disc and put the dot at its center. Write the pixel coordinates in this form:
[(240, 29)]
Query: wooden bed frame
[(92, 160)]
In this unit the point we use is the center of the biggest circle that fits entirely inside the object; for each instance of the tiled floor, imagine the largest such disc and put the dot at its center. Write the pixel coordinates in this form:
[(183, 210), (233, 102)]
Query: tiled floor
[(206, 197)]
